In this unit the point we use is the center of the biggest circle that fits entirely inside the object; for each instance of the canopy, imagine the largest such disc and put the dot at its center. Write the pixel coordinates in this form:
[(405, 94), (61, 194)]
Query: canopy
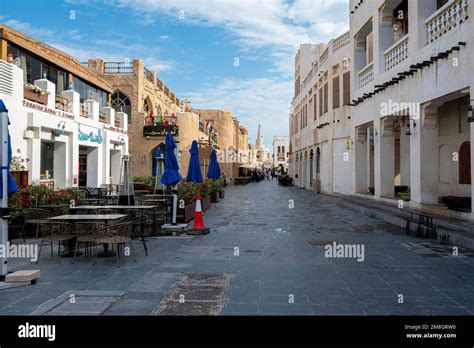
[(194, 169), (213, 172), (171, 176)]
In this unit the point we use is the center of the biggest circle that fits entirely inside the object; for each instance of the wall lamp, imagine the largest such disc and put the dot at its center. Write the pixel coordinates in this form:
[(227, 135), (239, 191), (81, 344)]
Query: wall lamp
[(470, 112)]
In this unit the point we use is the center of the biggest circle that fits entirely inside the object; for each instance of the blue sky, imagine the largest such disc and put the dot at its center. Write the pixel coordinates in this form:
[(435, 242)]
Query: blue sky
[(193, 45)]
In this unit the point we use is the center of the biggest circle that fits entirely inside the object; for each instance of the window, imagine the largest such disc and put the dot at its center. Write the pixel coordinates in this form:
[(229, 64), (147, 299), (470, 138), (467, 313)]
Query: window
[(346, 88), (335, 93), (370, 48), (315, 107), (465, 163), (325, 98), (120, 102), (85, 90), (320, 102), (47, 160), (34, 68)]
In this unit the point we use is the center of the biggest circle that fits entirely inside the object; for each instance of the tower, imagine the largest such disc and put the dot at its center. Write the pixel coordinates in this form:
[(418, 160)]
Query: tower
[(259, 143)]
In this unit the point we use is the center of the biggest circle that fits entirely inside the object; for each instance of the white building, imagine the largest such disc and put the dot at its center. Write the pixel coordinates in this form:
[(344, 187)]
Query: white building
[(412, 78), (280, 151), (320, 117), (69, 139)]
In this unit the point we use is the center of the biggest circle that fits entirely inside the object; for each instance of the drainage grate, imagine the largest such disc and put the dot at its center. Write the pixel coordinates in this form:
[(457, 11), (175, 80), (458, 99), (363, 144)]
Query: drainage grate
[(318, 243), (84, 302), (196, 294)]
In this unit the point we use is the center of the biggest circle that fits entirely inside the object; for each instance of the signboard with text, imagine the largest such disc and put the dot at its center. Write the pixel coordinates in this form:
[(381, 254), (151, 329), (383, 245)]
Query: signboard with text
[(160, 130)]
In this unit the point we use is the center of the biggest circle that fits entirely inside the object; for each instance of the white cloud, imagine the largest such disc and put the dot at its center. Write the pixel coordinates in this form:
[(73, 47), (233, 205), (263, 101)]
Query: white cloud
[(254, 101), (28, 29)]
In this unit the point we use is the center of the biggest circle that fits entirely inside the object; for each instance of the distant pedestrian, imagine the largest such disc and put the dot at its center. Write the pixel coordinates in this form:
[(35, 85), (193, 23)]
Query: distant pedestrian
[(224, 179)]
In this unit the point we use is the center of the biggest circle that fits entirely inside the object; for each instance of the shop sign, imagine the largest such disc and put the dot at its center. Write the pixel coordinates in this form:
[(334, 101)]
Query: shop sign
[(47, 110), (90, 136), (160, 130)]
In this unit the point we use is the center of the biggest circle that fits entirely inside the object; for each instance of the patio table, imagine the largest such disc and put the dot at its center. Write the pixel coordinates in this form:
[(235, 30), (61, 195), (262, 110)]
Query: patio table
[(86, 217)]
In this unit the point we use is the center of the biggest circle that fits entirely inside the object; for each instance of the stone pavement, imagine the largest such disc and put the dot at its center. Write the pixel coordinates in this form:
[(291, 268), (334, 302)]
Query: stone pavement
[(265, 255)]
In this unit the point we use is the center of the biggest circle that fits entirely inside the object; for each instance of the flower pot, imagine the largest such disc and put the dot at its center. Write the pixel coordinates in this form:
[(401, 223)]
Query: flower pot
[(186, 214), (16, 176), (215, 197), (35, 97), (24, 178), (206, 203)]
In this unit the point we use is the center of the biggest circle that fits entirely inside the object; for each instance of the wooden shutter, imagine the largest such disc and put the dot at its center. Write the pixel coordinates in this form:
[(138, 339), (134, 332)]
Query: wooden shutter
[(315, 106), (465, 163), (320, 102), (326, 97), (335, 93), (346, 88)]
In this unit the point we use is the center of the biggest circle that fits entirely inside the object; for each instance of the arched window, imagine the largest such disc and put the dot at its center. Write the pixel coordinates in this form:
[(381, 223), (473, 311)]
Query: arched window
[(121, 103), (465, 163), (147, 108)]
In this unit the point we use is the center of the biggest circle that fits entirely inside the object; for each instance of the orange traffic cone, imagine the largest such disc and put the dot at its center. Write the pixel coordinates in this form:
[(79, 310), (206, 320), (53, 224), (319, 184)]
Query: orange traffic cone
[(198, 227)]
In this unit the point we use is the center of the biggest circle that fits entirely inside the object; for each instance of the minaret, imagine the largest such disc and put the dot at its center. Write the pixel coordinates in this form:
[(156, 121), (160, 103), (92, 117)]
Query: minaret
[(259, 143)]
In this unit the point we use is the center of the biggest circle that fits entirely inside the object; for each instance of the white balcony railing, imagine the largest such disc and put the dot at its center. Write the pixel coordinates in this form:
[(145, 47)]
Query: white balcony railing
[(341, 41), (324, 56), (366, 75), (448, 17), (397, 53)]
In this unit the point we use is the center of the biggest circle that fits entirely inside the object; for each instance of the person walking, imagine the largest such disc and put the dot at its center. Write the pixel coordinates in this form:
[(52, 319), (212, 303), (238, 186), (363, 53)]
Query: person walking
[(224, 179)]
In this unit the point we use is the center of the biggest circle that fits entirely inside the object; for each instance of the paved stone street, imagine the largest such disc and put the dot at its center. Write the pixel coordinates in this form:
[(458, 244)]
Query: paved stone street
[(261, 257)]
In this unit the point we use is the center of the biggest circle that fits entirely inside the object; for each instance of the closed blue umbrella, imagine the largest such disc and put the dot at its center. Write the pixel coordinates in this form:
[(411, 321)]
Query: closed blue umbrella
[(11, 184), (171, 176), (214, 171), (155, 161), (6, 176), (194, 169)]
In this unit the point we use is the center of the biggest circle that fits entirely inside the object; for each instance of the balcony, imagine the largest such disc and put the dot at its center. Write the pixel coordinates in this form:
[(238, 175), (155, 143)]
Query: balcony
[(83, 110), (147, 74), (62, 104), (324, 56), (397, 53), (447, 18), (341, 41), (35, 94), (366, 75), (125, 68), (102, 117)]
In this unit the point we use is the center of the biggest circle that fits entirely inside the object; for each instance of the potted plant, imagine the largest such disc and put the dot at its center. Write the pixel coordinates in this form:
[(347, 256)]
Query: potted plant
[(18, 170), (215, 187), (35, 94), (186, 201), (203, 189)]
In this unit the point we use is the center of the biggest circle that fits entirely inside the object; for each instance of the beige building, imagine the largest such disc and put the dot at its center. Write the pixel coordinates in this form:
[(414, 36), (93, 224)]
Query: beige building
[(231, 137), (320, 117), (155, 110)]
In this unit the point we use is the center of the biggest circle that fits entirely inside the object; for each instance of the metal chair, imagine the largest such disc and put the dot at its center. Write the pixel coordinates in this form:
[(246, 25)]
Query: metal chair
[(56, 232), (35, 216), (118, 234), (86, 232)]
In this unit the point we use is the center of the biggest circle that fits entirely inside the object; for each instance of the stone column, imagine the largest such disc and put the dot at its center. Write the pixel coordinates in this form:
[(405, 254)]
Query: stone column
[(384, 161), (424, 149)]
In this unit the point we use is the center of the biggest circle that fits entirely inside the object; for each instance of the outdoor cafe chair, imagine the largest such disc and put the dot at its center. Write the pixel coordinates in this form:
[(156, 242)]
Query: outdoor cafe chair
[(35, 216), (86, 232), (118, 234), (56, 232), (139, 219)]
